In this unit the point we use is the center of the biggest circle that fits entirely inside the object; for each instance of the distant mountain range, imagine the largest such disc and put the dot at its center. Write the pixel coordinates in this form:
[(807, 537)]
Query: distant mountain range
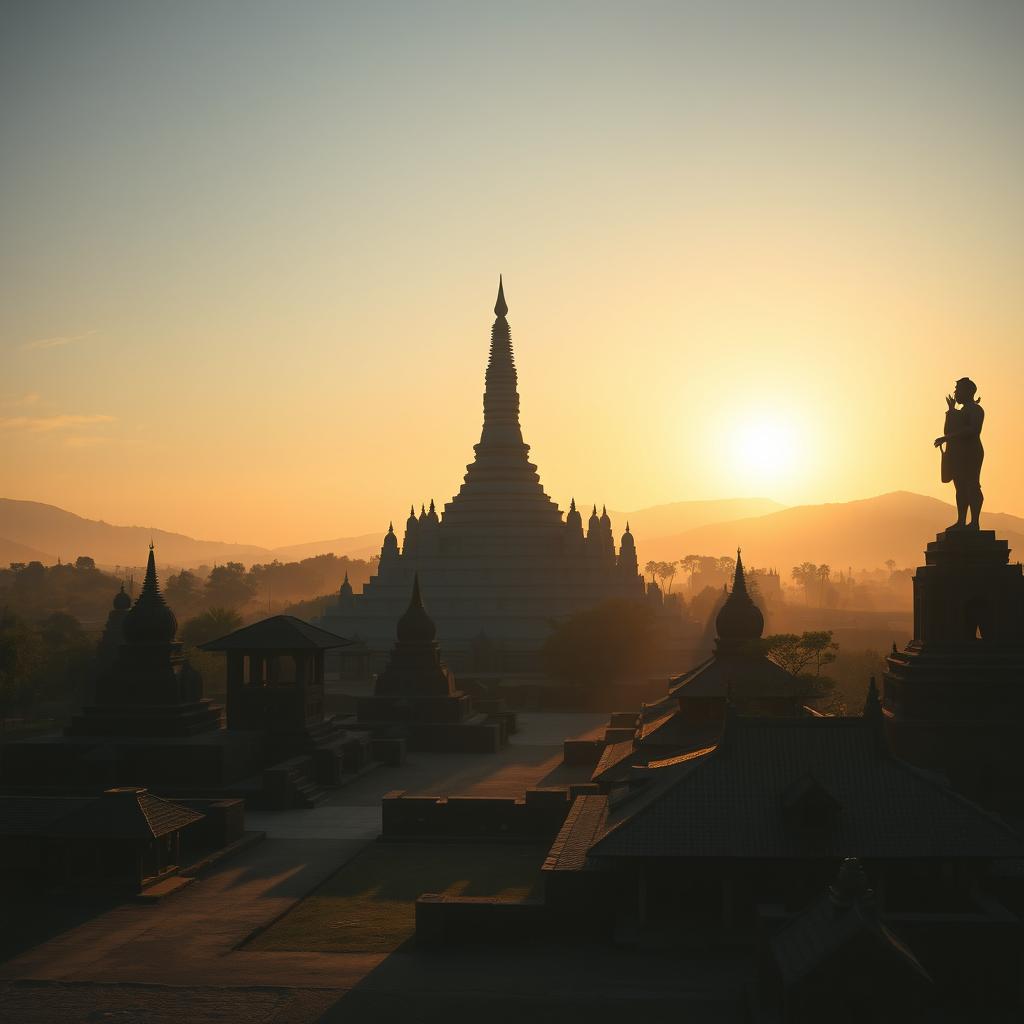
[(862, 534), (30, 530)]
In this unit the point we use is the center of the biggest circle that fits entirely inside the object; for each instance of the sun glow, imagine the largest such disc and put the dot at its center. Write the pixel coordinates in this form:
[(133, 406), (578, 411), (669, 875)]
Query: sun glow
[(765, 448)]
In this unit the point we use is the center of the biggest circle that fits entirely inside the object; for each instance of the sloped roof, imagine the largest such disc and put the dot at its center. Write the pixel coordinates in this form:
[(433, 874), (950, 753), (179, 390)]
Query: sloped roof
[(737, 676), (124, 813), (822, 932), (614, 755), (730, 802), (582, 826), (278, 633)]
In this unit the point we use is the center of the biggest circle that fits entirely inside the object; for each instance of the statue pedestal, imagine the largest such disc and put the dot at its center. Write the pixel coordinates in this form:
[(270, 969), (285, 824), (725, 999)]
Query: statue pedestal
[(954, 697)]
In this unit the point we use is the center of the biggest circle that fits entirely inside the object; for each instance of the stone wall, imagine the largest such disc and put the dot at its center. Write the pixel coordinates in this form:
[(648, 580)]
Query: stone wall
[(538, 816)]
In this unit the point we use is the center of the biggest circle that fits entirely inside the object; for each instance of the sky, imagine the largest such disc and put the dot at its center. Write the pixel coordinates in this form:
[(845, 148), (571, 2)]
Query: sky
[(248, 251)]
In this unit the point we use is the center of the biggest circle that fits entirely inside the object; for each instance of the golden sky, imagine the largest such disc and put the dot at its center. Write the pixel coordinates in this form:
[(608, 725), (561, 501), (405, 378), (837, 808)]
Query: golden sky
[(249, 252)]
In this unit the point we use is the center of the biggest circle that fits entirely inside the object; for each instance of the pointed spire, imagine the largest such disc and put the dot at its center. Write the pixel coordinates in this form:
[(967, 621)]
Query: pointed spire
[(627, 526), (739, 582), (500, 306), (150, 621), (572, 504), (391, 528), (432, 509)]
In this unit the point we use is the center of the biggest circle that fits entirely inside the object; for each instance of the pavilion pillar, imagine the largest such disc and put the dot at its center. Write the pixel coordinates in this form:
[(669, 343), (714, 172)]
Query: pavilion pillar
[(728, 904), (256, 664), (641, 895)]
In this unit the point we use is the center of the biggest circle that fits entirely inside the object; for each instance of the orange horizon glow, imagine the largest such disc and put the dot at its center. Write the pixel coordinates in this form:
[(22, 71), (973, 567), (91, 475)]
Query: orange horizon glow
[(249, 274)]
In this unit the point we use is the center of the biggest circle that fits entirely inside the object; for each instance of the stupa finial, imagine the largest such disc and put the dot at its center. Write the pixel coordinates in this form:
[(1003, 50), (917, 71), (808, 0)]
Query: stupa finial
[(500, 306)]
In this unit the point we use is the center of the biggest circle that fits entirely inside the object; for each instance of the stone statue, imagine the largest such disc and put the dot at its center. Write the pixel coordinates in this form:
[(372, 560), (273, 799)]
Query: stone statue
[(963, 454)]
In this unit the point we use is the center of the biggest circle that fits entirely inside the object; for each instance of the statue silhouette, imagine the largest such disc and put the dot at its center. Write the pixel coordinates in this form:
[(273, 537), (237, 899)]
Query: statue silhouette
[(963, 454)]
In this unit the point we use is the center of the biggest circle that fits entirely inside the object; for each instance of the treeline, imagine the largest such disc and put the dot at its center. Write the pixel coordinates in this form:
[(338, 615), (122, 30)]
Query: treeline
[(45, 666), (262, 589), (34, 591)]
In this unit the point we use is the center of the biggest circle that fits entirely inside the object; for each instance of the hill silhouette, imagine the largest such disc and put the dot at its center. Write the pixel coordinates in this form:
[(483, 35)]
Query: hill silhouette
[(659, 520), (861, 534)]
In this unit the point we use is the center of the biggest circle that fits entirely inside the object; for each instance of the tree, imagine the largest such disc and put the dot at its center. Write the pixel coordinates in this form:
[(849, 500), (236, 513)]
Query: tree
[(85, 562), (890, 564), (652, 568), (184, 592), (690, 564), (228, 586), (667, 571), (803, 657), (726, 565), (20, 658), (210, 625), (806, 574), (602, 645)]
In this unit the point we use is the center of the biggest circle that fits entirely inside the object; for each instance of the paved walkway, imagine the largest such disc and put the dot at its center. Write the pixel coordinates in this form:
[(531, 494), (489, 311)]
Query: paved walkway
[(191, 940)]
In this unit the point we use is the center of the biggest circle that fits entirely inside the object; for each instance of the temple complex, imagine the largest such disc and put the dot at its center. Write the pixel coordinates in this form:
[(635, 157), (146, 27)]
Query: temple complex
[(499, 562), (690, 717)]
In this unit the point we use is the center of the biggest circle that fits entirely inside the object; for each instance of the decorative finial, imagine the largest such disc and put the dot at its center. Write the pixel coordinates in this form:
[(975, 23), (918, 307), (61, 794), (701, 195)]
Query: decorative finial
[(391, 527), (572, 504), (500, 307), (432, 506), (627, 526)]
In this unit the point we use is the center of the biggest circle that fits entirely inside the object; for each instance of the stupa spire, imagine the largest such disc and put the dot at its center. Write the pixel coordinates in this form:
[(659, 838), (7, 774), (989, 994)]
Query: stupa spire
[(501, 394)]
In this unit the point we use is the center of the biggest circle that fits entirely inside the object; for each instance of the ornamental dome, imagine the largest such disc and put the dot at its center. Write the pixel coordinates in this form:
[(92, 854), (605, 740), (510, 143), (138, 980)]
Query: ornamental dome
[(122, 602), (416, 626), (739, 618), (150, 621)]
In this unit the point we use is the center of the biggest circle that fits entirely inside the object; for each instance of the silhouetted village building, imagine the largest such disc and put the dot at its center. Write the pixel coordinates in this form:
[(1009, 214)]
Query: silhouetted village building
[(415, 698), (499, 562), (150, 724)]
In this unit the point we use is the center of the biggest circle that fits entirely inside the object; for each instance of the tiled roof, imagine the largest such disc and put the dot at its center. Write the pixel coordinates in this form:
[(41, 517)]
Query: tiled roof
[(126, 813), (584, 822), (730, 802), (614, 755), (278, 633), (822, 932), (737, 676)]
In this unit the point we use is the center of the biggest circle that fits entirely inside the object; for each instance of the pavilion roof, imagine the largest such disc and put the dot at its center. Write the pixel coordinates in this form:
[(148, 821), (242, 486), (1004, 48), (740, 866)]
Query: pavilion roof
[(124, 813), (737, 800), (278, 633)]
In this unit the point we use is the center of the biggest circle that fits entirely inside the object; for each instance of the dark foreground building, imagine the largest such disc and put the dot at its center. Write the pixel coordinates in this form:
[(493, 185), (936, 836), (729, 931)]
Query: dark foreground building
[(415, 699), (954, 696), (151, 726)]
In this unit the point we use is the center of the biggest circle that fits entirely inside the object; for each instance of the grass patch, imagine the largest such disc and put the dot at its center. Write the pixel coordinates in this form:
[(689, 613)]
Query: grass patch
[(368, 906)]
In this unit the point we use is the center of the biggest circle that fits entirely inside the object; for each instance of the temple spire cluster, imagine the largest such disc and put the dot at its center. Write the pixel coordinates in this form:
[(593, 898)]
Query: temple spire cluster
[(499, 562)]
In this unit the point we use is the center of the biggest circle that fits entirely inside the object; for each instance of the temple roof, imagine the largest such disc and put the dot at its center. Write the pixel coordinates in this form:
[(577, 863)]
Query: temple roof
[(826, 929), (416, 626), (128, 812), (278, 633), (150, 621), (737, 676), (739, 619), (731, 801)]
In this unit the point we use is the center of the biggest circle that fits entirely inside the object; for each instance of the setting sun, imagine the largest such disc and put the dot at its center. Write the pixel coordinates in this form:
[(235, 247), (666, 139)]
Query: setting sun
[(766, 447)]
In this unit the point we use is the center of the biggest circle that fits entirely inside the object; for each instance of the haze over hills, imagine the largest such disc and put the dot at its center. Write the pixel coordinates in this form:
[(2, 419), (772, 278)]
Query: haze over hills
[(861, 534)]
